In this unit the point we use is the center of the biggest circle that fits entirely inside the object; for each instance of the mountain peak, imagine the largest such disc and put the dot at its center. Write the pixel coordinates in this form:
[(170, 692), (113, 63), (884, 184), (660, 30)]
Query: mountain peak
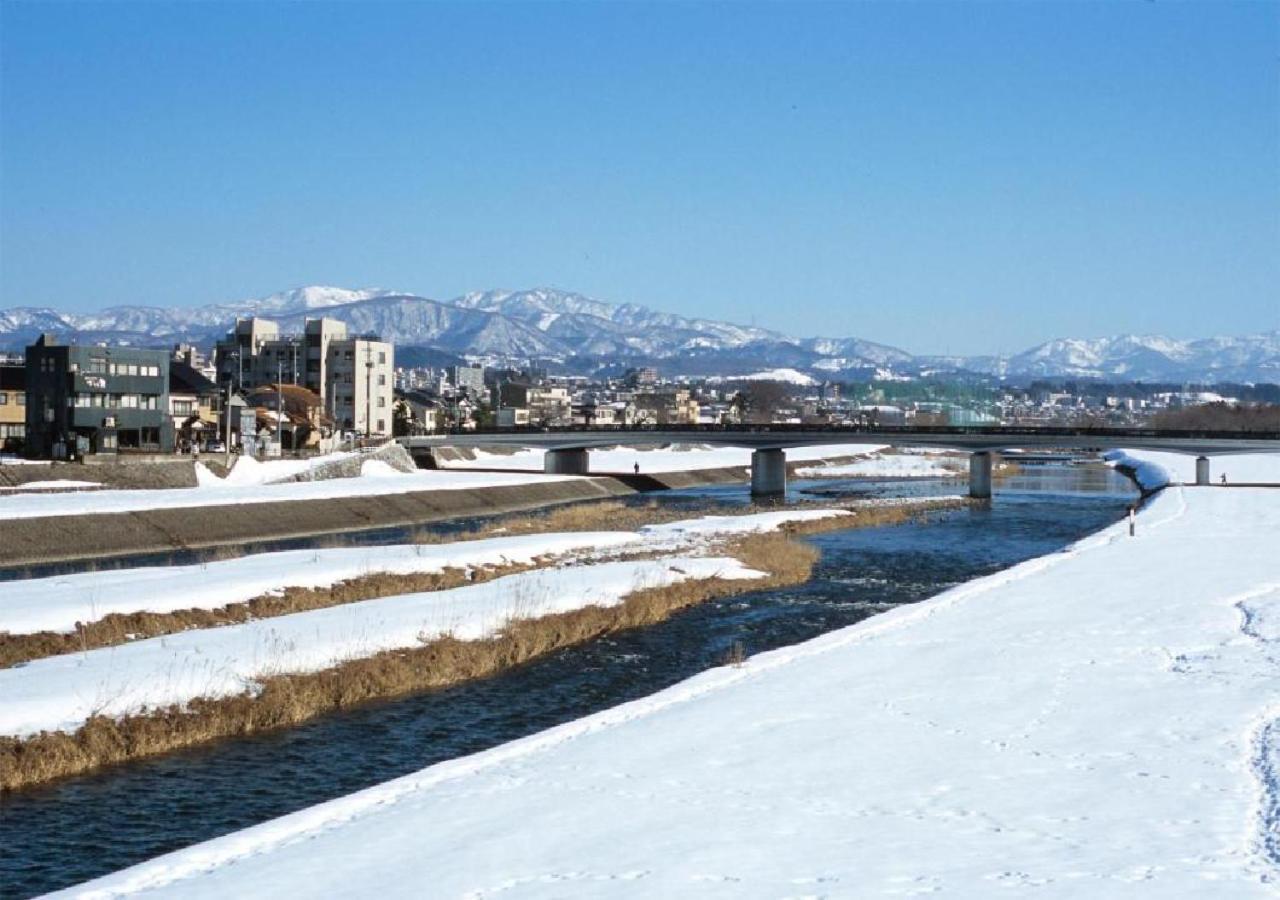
[(512, 326), (313, 297)]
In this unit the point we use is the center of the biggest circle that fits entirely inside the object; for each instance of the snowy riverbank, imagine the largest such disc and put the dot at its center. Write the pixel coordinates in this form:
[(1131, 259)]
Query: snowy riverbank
[(58, 602), (1098, 723), (59, 693)]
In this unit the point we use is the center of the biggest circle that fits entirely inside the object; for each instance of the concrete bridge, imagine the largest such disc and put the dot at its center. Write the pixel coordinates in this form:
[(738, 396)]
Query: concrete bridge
[(566, 447)]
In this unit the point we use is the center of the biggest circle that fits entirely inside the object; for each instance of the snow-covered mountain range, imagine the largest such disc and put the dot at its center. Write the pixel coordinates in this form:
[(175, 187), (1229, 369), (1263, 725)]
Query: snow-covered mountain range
[(586, 334)]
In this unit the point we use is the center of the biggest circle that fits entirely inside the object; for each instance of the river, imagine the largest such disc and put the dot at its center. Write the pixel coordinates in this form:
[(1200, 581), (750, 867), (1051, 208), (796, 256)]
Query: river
[(76, 829)]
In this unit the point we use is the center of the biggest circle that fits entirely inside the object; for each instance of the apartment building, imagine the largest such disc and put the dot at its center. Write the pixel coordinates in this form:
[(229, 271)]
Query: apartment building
[(468, 379), (360, 375), (352, 376), (83, 400)]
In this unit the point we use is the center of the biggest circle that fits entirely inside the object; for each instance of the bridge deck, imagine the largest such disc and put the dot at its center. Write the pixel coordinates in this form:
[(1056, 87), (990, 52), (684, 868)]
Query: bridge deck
[(784, 436)]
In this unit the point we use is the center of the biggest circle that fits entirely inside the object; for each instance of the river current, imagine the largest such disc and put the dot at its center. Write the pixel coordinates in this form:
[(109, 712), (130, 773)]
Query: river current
[(76, 829)]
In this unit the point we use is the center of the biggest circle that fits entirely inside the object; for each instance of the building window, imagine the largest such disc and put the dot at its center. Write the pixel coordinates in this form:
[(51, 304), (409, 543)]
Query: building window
[(382, 401), (150, 401), (382, 425), (129, 401), (382, 356), (80, 400), (382, 380), (22, 399), (108, 442), (4, 399), (97, 366), (182, 407)]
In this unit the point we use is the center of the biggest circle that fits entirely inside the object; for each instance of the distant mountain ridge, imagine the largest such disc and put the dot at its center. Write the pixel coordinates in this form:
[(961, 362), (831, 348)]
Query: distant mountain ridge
[(585, 334)]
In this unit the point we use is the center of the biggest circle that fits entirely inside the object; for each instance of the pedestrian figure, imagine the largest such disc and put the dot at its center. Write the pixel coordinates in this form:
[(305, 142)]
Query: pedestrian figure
[(1224, 477), (637, 468)]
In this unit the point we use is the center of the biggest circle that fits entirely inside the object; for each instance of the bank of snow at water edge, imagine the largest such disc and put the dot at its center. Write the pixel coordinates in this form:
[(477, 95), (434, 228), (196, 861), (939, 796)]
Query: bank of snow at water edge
[(60, 693), (658, 460), (1156, 468), (880, 465), (1095, 723), (58, 602)]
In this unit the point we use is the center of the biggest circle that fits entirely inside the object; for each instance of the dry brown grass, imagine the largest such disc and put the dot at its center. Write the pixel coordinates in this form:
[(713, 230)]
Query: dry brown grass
[(117, 628), (601, 515), (285, 700), (1006, 470), (120, 628)]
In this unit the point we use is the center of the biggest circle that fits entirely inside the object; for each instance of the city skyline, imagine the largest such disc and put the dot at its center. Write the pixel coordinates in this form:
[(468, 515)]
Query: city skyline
[(939, 178)]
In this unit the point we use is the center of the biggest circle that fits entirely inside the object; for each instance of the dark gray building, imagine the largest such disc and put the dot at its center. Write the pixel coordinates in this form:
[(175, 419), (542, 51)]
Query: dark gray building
[(84, 400)]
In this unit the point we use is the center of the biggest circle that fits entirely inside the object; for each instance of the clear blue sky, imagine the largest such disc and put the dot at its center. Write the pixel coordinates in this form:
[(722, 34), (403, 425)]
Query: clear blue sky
[(945, 177)]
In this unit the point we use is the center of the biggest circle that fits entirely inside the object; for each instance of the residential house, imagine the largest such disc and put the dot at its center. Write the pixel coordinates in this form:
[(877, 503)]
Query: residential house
[(193, 400), (13, 406)]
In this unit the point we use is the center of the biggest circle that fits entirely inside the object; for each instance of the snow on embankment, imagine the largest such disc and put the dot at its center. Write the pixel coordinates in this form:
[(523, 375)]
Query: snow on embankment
[(1156, 468), (58, 602), (1092, 723), (880, 465), (60, 693), (1150, 475), (252, 491), (624, 459)]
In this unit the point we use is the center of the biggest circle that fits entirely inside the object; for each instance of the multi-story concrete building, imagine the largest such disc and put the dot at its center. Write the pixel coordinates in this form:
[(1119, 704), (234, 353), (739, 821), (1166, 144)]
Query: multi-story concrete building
[(360, 374), (673, 407), (469, 379), (237, 354), (83, 400), (317, 335), (354, 377)]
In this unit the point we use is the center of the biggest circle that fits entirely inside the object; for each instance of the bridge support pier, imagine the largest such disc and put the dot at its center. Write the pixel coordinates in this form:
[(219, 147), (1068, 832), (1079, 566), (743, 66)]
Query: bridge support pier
[(980, 475), (1202, 470), (768, 473), (572, 461)]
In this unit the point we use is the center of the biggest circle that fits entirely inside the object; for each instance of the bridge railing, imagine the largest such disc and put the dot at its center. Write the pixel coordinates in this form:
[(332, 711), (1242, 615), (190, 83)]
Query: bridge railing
[(875, 430)]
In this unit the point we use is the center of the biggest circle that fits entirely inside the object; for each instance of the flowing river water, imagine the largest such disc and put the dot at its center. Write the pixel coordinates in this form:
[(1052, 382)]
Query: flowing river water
[(76, 829)]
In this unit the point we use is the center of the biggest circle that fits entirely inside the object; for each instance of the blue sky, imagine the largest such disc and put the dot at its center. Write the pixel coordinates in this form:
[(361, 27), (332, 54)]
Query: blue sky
[(946, 177)]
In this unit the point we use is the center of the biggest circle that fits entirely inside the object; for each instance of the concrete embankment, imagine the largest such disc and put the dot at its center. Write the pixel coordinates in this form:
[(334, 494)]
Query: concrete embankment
[(63, 538), (35, 541)]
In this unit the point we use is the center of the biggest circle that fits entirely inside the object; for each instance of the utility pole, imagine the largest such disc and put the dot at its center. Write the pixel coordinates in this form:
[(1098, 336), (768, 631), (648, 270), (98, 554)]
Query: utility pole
[(368, 389), (227, 412), (279, 405)]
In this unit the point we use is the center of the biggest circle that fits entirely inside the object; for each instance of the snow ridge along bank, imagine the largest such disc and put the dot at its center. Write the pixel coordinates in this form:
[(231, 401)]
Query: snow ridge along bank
[(57, 603), (61, 693), (1073, 724)]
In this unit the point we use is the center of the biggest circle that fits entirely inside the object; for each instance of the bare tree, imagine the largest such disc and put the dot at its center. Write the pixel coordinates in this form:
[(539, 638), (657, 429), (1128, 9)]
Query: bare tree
[(1222, 417), (759, 401)]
